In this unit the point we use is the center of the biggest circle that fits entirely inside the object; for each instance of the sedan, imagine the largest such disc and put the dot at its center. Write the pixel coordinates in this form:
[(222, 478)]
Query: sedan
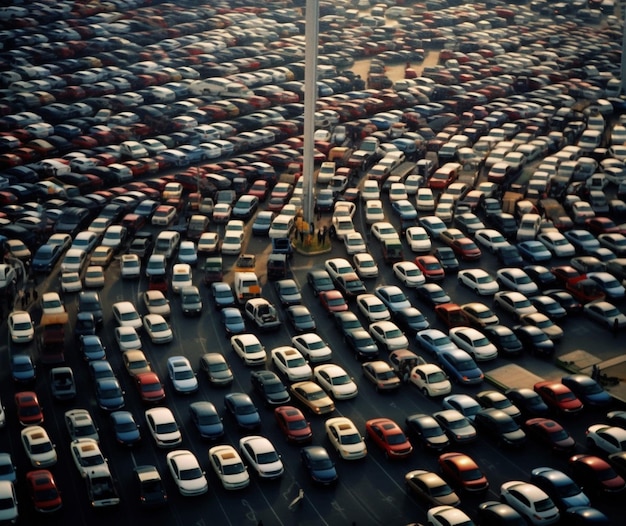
[(431, 488), (229, 467), (550, 433), (125, 429), (457, 426), (432, 294), (270, 387), (109, 394), (430, 268), (393, 297), (558, 397), (608, 439), (335, 381), (182, 375), (430, 380), (434, 341), (408, 273), (388, 335), (447, 516), (478, 280), (156, 303), (588, 390), (534, 251), (530, 501), (464, 404), (548, 306), (249, 348), (373, 307), (29, 410), (460, 367), (319, 280), (313, 397), (80, 424), (427, 431), (261, 455), (606, 314), (345, 438), (21, 328), (365, 265), (288, 292), (497, 400), (517, 280), (39, 449), (500, 426), (474, 342), (44, 493), (126, 338), (560, 488), (243, 410), (319, 465), (557, 244), (547, 326), (464, 472), (333, 301), (86, 455), (187, 473), (157, 328), (293, 424), (491, 239), (389, 437), (513, 302), (597, 476), (301, 318)]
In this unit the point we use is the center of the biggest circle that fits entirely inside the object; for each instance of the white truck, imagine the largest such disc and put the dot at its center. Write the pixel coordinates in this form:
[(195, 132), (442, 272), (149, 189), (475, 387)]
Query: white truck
[(263, 314)]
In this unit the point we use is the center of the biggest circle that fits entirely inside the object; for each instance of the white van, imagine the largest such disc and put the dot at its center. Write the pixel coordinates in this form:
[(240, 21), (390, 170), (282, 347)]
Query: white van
[(246, 286), (166, 243), (528, 227)]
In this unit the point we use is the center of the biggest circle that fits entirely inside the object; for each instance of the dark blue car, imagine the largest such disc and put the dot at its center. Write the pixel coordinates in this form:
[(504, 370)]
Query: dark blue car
[(46, 257), (460, 367), (125, 428), (206, 419), (245, 413), (319, 465)]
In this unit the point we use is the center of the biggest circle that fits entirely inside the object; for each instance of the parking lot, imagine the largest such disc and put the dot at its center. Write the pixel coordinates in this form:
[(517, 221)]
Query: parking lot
[(370, 490)]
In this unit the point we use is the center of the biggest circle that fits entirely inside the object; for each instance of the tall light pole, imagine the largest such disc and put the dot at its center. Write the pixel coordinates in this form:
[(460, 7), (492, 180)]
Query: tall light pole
[(310, 97)]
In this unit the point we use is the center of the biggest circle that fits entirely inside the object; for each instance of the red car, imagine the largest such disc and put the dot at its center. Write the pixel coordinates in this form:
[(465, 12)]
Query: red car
[(452, 315), (563, 273), (601, 225), (333, 301), (465, 248), (596, 475), (293, 424), (388, 436), (551, 433), (430, 267), (28, 409), (584, 289), (43, 491), (259, 189), (463, 472), (150, 387), (558, 397)]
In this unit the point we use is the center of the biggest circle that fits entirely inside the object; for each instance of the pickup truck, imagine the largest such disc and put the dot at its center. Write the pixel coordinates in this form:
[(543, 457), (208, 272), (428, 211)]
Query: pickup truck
[(101, 488), (263, 314)]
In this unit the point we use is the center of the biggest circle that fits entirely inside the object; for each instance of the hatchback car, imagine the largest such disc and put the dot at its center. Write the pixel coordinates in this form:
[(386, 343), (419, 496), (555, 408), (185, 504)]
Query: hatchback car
[(530, 501)]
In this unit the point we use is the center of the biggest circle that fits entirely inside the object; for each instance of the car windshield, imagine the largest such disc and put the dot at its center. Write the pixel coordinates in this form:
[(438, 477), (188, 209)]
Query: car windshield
[(233, 469), (7, 504), (266, 458), (190, 474), (385, 375), (544, 505), (183, 375), (465, 365), (440, 491), (296, 362), (316, 395), (41, 447), (436, 377), (245, 409), (484, 279), (459, 423), (341, 380), (396, 439), (296, 425)]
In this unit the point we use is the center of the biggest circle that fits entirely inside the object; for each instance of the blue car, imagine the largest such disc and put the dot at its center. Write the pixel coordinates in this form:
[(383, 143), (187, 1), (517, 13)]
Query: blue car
[(46, 257), (22, 368), (125, 428), (460, 367), (92, 348), (233, 321), (404, 209), (560, 488), (509, 256), (434, 341), (534, 251), (206, 419), (319, 465), (109, 394), (243, 410), (590, 392)]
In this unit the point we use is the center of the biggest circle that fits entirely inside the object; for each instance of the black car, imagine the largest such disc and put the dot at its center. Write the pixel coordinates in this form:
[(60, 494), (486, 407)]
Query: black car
[(411, 320), (447, 259), (319, 465), (548, 306), (500, 426), (432, 294), (150, 485), (301, 318), (504, 339), (566, 300), (347, 322), (528, 402), (319, 280), (427, 431), (85, 324), (89, 301), (270, 387), (585, 516), (362, 344), (243, 410), (534, 340), (509, 256), (350, 285), (206, 419), (540, 275), (494, 513)]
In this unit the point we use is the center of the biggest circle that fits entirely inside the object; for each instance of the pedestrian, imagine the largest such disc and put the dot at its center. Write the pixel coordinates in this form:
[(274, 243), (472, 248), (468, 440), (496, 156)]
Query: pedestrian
[(324, 232), (27, 296), (615, 328), (22, 296), (320, 239), (319, 213), (595, 372)]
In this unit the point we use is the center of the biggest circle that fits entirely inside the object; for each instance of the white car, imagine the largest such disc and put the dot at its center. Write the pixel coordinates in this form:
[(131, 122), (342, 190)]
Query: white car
[(181, 277), (343, 226), (232, 243), (290, 362), (157, 328), (418, 239), (70, 282), (21, 326), (447, 516), (430, 380), (208, 243), (479, 280), (354, 243), (130, 266), (474, 342), (163, 427), (126, 314), (86, 455), (74, 260), (156, 303), (335, 381), (94, 276), (372, 307), (127, 338), (187, 253), (249, 348), (513, 302), (425, 200), (393, 297), (370, 191), (557, 244), (181, 374), (229, 467), (605, 313), (491, 239), (261, 455), (388, 335), (374, 211), (516, 279), (114, 237), (187, 473), (51, 303), (457, 426), (365, 265), (80, 424), (338, 266), (345, 438), (408, 273), (608, 439), (312, 347), (38, 447), (383, 230), (8, 512), (529, 501)]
